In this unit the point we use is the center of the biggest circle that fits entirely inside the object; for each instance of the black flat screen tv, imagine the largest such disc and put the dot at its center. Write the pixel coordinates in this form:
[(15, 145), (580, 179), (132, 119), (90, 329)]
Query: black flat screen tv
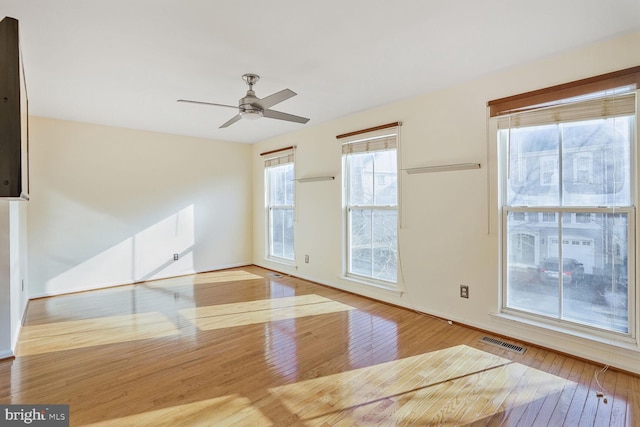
[(14, 117)]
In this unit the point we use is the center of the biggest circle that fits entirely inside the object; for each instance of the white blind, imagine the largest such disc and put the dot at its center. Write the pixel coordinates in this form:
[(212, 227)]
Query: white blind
[(594, 108), (279, 158), (374, 141)]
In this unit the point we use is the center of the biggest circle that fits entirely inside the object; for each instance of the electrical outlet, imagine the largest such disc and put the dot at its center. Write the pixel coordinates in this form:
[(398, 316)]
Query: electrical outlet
[(464, 291), (176, 257), (306, 259)]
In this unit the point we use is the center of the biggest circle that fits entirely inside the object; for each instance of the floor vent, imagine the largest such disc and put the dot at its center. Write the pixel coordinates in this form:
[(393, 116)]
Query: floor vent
[(505, 345)]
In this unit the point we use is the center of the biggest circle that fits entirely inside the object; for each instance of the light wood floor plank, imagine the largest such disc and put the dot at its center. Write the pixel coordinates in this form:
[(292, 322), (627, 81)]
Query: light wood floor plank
[(633, 406), (244, 347), (562, 367), (524, 391), (528, 415), (602, 411), (619, 404)]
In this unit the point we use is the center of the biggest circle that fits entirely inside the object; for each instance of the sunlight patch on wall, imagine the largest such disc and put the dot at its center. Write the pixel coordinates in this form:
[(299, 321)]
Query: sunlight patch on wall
[(154, 247), (261, 311), (225, 410), (111, 267), (428, 389), (144, 256), (74, 334)]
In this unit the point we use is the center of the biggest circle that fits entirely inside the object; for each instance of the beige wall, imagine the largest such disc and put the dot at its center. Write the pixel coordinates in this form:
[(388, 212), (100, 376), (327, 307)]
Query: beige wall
[(111, 206), (449, 223)]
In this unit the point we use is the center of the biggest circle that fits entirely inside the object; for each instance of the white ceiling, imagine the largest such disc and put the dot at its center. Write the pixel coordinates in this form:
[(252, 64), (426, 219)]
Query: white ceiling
[(125, 62)]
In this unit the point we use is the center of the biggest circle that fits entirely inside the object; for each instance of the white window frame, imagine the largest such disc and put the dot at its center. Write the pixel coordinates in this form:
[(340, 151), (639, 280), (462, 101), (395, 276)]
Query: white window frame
[(279, 159), (630, 211), (374, 137)]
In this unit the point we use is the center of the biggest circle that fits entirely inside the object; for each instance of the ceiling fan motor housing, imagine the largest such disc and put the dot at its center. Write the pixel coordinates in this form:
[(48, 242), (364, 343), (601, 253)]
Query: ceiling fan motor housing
[(247, 108)]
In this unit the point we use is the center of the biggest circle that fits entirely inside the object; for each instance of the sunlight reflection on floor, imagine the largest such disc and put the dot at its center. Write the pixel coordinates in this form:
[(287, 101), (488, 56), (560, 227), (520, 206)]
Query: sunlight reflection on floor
[(261, 311), (60, 336), (427, 389), (204, 278)]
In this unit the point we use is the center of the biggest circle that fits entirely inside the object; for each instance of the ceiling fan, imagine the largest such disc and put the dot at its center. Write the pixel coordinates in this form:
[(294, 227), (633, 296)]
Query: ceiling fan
[(251, 107)]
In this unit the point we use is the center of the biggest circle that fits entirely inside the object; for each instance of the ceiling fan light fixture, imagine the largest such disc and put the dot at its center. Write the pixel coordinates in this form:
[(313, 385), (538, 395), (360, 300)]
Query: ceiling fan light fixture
[(251, 114)]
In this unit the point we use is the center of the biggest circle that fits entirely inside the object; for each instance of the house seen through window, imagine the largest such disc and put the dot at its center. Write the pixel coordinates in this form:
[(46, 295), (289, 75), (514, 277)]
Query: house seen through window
[(571, 167), (371, 206), (279, 189)]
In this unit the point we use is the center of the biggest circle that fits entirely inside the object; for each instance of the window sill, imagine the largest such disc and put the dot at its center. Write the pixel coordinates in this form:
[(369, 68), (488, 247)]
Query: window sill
[(378, 286), (547, 328)]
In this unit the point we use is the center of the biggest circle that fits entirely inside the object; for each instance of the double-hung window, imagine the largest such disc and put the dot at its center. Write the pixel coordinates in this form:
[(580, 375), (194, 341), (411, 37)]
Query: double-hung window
[(280, 200), (568, 194), (371, 206)]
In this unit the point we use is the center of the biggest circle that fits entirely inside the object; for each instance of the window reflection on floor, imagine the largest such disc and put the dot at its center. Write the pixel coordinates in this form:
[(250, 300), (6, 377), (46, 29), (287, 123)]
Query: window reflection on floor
[(372, 335), (281, 349)]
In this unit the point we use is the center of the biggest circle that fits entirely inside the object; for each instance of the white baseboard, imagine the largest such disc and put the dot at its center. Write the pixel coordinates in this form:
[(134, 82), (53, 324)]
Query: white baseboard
[(6, 354), (132, 282)]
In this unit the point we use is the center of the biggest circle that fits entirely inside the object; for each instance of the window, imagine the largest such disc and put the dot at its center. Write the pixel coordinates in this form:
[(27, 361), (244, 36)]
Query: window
[(371, 205), (518, 216), (548, 170), (583, 168), (583, 218), (579, 154), (279, 189)]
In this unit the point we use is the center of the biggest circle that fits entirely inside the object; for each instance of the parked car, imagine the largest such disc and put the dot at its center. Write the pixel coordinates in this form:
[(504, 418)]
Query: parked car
[(572, 271), (524, 274)]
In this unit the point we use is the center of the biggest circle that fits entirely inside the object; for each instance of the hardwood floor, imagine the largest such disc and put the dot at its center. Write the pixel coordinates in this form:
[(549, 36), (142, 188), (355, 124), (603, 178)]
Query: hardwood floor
[(245, 347)]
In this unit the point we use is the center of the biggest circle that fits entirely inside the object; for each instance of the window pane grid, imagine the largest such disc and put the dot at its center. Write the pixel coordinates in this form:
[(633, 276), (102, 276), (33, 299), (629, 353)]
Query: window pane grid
[(371, 207), (590, 285), (280, 211), (568, 204), (281, 233), (373, 243)]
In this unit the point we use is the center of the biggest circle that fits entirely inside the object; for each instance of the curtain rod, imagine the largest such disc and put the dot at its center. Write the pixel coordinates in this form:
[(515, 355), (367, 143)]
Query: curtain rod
[(266, 153), (358, 132)]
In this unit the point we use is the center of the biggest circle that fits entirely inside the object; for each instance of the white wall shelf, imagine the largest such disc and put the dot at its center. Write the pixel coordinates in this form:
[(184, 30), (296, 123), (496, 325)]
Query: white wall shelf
[(315, 178), (443, 168)]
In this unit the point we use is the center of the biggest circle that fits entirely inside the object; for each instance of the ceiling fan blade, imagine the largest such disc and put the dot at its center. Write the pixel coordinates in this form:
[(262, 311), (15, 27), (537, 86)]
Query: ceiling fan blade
[(207, 103), (276, 98), (272, 114), (231, 121)]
